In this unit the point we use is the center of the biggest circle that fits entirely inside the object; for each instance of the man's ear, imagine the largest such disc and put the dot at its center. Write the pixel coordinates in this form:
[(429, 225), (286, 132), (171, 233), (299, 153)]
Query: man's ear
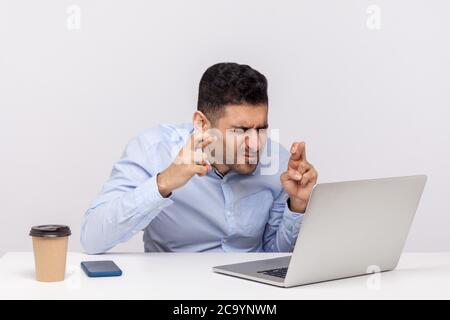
[(200, 121)]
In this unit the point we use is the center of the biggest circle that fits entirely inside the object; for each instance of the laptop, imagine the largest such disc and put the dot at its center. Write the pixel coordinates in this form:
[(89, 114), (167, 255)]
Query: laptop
[(349, 229)]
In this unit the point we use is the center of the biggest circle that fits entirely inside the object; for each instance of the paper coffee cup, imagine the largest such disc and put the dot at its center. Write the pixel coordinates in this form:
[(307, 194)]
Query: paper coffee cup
[(50, 251)]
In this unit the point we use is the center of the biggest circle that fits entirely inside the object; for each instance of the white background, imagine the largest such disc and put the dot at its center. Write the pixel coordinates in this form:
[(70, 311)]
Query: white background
[(369, 103)]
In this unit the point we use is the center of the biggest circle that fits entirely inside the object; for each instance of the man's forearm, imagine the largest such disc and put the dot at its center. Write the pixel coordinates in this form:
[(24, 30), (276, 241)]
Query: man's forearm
[(118, 219), (297, 205)]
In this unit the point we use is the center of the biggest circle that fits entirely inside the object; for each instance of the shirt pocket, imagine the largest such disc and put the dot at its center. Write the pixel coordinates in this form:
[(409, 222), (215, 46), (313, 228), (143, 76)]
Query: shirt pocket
[(252, 213)]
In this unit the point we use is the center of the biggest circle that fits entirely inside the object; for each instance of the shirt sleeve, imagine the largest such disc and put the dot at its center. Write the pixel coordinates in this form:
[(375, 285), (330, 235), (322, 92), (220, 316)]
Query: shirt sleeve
[(128, 202), (282, 228)]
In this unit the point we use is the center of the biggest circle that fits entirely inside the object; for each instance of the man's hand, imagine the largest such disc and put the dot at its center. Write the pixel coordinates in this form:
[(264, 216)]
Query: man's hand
[(191, 160), (299, 179)]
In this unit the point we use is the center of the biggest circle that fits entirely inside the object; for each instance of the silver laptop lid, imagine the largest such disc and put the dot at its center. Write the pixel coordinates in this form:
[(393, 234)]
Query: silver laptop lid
[(352, 228)]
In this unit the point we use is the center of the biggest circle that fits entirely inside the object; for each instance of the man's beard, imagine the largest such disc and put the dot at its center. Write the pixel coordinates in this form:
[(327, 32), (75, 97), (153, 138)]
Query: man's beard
[(244, 168), (241, 164)]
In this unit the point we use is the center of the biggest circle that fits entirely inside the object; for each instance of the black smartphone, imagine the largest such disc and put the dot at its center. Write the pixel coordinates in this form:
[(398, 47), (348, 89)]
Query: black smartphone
[(95, 269)]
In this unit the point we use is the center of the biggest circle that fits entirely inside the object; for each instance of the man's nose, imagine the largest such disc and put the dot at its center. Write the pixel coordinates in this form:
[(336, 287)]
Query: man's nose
[(252, 140)]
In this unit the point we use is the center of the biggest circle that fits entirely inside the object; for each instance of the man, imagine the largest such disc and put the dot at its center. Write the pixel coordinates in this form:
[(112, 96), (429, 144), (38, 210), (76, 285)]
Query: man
[(201, 186)]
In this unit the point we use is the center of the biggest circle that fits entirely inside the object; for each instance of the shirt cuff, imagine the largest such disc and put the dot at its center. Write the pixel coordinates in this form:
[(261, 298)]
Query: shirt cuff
[(292, 221), (148, 197)]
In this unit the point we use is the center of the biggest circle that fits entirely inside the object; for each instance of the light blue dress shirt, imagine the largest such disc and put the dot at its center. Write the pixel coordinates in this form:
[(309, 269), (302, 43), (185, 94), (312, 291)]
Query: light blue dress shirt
[(211, 213)]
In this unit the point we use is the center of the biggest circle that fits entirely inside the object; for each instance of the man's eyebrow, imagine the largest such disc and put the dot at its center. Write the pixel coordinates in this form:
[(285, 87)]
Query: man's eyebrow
[(244, 127)]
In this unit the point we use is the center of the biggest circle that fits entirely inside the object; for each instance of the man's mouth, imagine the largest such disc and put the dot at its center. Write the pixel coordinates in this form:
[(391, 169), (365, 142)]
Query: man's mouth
[(251, 158)]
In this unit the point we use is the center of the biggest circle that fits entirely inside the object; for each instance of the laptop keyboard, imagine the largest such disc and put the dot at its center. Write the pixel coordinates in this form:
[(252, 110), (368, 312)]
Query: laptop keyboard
[(280, 272)]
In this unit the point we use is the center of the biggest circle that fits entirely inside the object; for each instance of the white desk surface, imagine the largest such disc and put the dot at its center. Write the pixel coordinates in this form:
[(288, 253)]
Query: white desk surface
[(189, 276)]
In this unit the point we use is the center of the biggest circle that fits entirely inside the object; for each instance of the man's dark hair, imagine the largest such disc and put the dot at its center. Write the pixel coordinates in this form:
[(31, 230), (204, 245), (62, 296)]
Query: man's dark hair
[(230, 83)]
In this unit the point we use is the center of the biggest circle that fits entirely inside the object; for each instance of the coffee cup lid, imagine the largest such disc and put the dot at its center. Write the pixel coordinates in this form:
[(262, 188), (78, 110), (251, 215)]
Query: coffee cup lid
[(50, 231)]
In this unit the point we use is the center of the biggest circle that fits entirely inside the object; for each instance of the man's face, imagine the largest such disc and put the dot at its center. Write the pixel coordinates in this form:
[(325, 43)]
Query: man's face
[(243, 136)]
